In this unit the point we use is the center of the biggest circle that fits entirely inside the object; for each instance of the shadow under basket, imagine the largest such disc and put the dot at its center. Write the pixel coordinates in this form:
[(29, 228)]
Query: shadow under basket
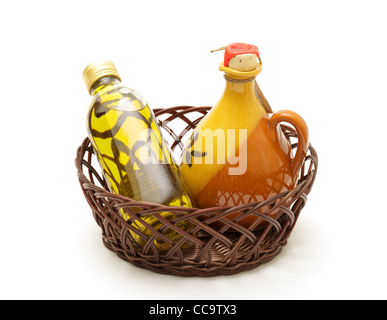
[(227, 250)]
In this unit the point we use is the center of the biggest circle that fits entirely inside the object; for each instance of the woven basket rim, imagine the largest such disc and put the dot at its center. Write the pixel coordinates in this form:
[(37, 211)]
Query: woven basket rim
[(81, 175)]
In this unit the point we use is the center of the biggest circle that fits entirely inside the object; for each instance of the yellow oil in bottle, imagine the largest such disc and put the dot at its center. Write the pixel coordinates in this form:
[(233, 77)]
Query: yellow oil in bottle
[(135, 159)]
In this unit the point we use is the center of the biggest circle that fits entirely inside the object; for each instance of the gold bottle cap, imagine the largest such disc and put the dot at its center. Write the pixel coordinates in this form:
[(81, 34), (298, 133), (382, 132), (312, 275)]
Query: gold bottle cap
[(97, 70)]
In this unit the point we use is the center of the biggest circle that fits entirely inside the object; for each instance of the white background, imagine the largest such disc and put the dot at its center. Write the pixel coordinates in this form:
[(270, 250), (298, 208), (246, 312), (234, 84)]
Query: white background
[(326, 60)]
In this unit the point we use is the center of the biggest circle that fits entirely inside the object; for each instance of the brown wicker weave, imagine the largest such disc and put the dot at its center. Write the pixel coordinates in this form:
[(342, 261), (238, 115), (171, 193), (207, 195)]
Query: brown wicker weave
[(224, 251)]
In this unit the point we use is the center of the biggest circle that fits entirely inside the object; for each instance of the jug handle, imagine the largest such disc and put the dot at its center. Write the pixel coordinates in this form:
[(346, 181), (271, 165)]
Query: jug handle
[(302, 132)]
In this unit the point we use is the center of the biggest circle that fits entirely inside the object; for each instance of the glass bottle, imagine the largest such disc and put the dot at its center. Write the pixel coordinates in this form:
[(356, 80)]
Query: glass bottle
[(136, 161), (238, 154)]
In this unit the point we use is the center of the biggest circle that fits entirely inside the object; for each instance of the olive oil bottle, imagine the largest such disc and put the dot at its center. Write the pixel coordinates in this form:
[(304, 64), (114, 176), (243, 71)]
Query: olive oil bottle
[(135, 159)]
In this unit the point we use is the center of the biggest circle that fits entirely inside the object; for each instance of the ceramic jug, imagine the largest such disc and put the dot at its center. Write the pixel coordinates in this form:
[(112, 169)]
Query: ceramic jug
[(238, 153)]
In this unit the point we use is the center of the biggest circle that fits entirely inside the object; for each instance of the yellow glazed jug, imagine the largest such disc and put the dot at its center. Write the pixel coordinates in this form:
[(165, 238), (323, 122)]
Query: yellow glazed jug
[(238, 153)]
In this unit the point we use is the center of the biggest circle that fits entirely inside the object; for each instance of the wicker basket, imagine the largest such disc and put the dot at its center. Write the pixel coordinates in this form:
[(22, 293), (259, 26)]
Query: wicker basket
[(224, 251)]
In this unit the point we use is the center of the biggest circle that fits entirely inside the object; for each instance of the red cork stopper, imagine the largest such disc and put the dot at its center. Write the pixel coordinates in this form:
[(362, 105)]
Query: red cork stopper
[(235, 49)]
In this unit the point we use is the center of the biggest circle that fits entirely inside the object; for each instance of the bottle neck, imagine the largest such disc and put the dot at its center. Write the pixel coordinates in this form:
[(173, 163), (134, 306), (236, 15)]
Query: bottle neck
[(240, 101), (240, 86), (241, 90), (109, 80)]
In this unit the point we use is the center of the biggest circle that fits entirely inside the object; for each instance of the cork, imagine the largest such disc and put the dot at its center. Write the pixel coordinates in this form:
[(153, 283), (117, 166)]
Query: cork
[(243, 62)]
